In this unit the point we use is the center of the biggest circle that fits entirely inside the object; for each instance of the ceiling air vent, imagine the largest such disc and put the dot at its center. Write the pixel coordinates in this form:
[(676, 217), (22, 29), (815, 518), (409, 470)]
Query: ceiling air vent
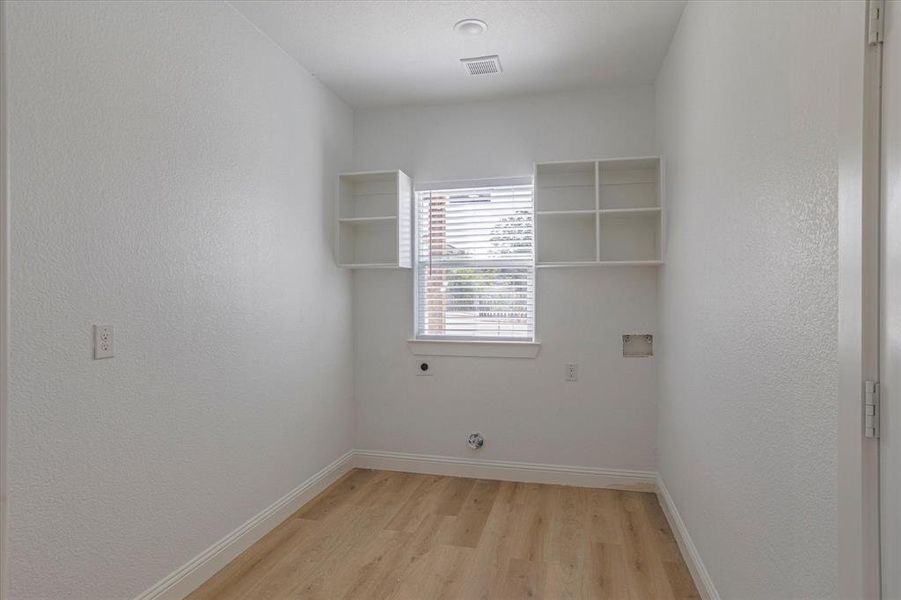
[(482, 65)]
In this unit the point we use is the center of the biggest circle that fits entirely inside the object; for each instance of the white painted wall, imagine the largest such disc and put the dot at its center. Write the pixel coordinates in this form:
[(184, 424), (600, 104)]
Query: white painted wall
[(747, 112), (524, 407), (172, 174)]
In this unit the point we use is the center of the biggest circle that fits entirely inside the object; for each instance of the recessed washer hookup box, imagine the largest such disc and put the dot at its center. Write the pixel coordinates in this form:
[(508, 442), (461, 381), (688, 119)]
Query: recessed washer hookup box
[(638, 345)]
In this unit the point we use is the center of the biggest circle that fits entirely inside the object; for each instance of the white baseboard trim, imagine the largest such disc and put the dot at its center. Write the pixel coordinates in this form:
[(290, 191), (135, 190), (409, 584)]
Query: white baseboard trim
[(189, 577), (643, 481), (689, 552)]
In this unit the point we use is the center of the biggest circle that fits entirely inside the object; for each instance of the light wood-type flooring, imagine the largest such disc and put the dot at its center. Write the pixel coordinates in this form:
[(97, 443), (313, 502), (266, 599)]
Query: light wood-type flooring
[(381, 534)]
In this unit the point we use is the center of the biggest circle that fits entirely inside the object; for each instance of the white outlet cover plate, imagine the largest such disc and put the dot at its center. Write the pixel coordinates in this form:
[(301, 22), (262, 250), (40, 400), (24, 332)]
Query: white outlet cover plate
[(103, 341)]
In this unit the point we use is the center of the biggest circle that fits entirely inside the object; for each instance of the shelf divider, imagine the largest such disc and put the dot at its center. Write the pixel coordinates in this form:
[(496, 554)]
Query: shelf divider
[(597, 208)]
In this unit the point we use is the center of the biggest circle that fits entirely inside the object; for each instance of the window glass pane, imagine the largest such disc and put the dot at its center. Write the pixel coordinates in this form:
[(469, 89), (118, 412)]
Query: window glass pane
[(475, 263)]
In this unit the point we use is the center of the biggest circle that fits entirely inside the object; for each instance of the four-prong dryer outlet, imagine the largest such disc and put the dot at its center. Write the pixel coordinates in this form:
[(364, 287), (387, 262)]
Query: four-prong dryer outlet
[(423, 368)]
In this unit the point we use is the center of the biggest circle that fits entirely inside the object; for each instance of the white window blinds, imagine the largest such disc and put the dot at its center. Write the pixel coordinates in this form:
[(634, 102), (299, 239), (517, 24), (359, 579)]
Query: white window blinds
[(475, 263)]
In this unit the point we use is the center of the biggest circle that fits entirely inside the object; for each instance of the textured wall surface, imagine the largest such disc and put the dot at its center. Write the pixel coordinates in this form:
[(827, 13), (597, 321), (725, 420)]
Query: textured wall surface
[(525, 409), (747, 118), (172, 174)]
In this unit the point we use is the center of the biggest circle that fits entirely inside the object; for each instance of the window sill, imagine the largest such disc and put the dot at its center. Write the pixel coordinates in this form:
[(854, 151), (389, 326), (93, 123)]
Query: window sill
[(484, 349)]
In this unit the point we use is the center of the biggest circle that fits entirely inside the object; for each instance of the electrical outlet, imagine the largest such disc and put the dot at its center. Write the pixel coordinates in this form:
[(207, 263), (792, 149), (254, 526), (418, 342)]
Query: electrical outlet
[(103, 341), (423, 368), (572, 371)]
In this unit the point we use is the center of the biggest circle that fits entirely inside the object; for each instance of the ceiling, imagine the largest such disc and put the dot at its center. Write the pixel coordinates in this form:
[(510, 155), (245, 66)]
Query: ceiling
[(379, 53)]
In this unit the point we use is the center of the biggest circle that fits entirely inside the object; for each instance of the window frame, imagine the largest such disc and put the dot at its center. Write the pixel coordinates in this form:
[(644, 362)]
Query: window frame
[(471, 345)]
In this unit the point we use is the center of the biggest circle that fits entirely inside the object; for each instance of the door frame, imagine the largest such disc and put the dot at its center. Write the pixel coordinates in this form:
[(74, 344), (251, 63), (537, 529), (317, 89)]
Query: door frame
[(857, 513)]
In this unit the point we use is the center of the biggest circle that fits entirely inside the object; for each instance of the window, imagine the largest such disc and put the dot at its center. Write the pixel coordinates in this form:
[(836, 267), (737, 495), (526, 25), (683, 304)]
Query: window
[(475, 263)]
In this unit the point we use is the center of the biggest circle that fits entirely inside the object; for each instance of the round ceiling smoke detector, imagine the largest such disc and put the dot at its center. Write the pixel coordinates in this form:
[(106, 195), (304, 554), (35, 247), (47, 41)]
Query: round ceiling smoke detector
[(470, 27)]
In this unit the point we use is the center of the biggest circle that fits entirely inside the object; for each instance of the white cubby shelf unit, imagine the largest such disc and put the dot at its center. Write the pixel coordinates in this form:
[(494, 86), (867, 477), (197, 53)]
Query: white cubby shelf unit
[(374, 220), (599, 213)]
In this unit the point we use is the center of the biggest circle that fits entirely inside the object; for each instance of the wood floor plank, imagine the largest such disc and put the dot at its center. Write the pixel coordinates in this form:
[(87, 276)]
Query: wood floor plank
[(664, 539), (524, 579), (340, 493), (525, 493), (454, 495), (399, 536), (423, 502), (439, 575), (680, 580), (466, 528), (247, 569), (604, 575), (532, 528), (604, 516), (357, 539), (407, 559), (483, 575), (642, 555), (566, 533)]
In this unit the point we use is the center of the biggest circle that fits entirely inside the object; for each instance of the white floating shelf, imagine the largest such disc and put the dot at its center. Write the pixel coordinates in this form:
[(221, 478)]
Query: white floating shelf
[(368, 266), (365, 219), (568, 185), (599, 213), (637, 182), (629, 211), (565, 212), (373, 223), (601, 263)]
